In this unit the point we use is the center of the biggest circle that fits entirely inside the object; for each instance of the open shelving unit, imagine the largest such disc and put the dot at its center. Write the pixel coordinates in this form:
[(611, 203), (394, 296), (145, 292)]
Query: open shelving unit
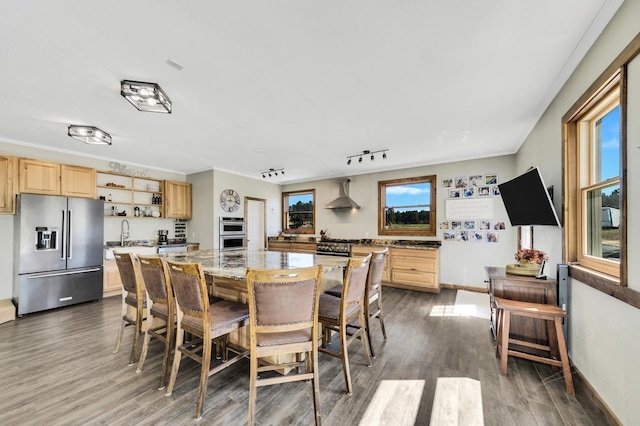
[(127, 192)]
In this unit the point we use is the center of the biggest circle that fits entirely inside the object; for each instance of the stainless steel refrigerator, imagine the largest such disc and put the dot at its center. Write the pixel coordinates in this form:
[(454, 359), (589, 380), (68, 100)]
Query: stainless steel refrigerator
[(58, 251)]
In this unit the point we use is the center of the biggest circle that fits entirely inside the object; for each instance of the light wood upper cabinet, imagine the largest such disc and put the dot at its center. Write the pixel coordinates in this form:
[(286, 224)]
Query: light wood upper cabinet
[(39, 177), (42, 177), (8, 180), (78, 181), (177, 200)]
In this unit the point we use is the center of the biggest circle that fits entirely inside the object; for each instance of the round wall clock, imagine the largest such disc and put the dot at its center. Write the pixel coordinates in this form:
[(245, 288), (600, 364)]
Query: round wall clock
[(230, 200)]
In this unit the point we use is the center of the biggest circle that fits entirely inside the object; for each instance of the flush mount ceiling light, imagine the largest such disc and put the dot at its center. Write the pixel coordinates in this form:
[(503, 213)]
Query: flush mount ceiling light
[(89, 134), (145, 96), (367, 152), (271, 172)]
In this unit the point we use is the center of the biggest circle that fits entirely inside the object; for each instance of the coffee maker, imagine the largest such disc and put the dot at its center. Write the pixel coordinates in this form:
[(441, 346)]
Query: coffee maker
[(163, 237)]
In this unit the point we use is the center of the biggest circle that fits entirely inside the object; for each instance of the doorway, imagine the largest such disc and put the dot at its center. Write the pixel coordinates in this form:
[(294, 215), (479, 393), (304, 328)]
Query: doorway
[(255, 218)]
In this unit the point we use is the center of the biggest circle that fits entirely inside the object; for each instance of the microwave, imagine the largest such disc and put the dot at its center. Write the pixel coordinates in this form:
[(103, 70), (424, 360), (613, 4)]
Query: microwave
[(232, 226)]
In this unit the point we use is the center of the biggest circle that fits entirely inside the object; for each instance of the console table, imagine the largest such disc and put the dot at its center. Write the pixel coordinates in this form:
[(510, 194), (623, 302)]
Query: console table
[(525, 289)]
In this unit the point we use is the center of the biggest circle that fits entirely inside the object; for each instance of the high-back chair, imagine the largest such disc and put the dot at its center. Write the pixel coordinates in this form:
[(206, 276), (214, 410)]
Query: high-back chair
[(335, 314), (373, 293), (204, 323), (133, 301), (160, 305), (283, 320)]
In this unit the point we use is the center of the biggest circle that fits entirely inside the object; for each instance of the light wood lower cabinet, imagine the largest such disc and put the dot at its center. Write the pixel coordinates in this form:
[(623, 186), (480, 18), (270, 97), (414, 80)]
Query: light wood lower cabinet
[(112, 284), (415, 269), (8, 181)]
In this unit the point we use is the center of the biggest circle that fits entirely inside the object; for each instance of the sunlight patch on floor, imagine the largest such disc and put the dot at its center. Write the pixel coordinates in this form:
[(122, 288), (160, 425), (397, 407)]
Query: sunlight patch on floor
[(395, 403), (457, 401)]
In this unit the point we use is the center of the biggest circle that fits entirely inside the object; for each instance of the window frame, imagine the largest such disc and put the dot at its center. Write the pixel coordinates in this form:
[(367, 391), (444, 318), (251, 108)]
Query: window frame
[(611, 285), (382, 186), (285, 212)]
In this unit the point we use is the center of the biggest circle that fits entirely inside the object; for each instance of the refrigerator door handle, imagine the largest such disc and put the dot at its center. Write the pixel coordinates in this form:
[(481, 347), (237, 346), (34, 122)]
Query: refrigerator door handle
[(70, 243), (63, 236), (58, 274)]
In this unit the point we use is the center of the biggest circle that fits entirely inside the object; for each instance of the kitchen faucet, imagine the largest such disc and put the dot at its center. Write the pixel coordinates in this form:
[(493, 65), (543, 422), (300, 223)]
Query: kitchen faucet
[(124, 235)]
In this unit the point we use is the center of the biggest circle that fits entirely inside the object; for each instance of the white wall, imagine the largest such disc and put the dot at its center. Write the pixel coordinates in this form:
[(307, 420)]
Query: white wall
[(604, 335), (200, 227), (461, 263), (140, 228)]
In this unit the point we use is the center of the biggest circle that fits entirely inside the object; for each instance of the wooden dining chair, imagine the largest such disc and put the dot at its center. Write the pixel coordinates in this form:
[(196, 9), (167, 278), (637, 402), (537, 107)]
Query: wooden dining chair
[(160, 305), (204, 323), (335, 314), (133, 301), (373, 293), (283, 320)]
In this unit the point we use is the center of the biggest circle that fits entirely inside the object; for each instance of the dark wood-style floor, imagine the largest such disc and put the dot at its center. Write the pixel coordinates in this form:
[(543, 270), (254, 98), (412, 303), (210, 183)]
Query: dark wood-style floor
[(57, 367)]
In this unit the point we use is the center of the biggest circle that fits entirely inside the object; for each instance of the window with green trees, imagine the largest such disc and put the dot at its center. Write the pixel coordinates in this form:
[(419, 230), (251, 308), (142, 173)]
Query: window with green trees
[(299, 212), (407, 206)]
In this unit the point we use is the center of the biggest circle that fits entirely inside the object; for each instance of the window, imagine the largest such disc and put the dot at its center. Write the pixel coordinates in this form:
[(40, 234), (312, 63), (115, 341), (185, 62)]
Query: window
[(407, 206), (299, 209), (594, 163)]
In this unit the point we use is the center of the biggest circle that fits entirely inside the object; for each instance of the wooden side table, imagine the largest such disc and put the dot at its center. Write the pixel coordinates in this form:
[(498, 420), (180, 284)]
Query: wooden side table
[(524, 289)]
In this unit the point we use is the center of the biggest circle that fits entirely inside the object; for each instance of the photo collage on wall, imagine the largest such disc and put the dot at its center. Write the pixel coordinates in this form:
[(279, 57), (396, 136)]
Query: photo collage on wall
[(481, 230)]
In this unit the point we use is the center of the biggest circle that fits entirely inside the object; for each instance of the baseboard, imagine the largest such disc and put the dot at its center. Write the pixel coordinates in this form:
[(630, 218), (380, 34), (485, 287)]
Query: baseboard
[(464, 287), (580, 382)]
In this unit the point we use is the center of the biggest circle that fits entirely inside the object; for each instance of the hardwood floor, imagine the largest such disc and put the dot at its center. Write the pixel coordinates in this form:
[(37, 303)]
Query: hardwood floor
[(57, 367)]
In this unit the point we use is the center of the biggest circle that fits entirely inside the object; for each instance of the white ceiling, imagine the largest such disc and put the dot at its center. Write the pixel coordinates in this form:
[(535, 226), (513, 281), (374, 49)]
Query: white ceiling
[(291, 84)]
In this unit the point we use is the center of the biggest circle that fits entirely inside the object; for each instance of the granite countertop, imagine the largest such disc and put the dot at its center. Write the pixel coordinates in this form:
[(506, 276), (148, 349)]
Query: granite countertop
[(234, 263), (418, 244), (140, 243)]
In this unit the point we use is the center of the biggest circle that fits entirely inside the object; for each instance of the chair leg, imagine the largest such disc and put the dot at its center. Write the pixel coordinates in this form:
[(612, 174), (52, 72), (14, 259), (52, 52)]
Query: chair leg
[(204, 376), (384, 331), (167, 352), (177, 355), (506, 322), (367, 328), (345, 358), (253, 378), (562, 348), (316, 385), (136, 339), (366, 344), (123, 324), (145, 342), (498, 332)]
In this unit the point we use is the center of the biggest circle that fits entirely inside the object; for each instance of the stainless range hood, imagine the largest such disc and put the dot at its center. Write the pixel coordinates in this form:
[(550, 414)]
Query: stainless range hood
[(343, 201)]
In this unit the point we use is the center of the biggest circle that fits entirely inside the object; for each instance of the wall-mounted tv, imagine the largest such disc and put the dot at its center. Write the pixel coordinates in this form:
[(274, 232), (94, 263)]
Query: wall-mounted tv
[(527, 200)]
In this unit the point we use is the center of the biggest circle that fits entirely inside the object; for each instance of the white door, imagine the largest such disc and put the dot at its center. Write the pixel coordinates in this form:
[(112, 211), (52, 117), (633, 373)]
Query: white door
[(255, 220)]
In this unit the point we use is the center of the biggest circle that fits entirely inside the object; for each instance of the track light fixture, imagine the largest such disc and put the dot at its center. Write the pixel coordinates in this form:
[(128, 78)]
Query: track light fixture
[(367, 152), (272, 172)]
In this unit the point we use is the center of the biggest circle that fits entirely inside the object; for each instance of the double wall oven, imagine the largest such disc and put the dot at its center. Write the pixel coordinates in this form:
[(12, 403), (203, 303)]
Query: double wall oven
[(232, 233)]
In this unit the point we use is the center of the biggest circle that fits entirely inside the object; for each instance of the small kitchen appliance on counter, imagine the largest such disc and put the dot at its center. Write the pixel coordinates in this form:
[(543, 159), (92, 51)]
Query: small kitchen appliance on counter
[(163, 237)]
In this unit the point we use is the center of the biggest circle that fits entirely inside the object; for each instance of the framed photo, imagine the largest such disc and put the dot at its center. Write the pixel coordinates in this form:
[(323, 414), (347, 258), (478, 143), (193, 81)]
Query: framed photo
[(499, 225), (462, 182), (456, 225), (491, 179), (492, 237), (444, 224), (495, 191), (449, 235), (476, 236), (455, 193), (447, 183), (484, 225), (476, 180), (469, 192), (462, 236), (469, 225), (484, 191)]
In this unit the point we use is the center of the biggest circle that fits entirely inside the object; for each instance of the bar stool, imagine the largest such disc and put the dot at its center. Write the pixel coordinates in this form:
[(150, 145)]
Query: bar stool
[(553, 316)]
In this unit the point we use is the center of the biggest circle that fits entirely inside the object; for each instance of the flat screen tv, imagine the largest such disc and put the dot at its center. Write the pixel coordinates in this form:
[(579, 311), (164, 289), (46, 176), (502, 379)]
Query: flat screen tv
[(527, 200)]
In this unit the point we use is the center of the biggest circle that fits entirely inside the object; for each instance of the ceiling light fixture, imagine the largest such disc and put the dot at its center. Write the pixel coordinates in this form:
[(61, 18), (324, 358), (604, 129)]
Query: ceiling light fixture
[(89, 134), (270, 171), (145, 96), (367, 152)]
